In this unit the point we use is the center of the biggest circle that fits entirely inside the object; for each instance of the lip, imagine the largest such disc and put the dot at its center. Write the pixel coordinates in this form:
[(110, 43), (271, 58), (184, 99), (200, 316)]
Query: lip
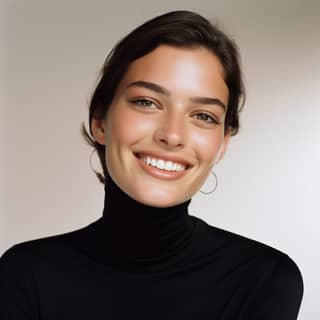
[(159, 173), (157, 155)]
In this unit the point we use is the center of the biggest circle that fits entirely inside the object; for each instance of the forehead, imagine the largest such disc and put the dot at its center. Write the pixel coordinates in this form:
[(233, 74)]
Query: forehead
[(194, 69)]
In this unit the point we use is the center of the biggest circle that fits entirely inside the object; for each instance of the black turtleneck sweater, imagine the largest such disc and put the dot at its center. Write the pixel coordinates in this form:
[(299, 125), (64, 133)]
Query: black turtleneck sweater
[(142, 262)]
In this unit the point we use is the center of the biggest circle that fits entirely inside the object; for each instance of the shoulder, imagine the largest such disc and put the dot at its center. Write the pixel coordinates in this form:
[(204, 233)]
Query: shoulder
[(263, 259), (29, 265), (31, 253), (18, 285), (27, 254), (277, 280)]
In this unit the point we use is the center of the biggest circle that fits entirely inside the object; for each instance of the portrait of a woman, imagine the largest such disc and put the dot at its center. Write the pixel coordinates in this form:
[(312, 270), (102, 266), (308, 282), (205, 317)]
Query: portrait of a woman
[(161, 117)]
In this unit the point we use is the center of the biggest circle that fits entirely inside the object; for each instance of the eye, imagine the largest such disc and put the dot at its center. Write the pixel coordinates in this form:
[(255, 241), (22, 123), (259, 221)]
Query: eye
[(207, 118), (143, 102)]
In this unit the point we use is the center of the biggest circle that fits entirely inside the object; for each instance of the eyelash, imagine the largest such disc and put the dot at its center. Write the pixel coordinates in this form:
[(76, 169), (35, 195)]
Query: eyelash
[(138, 102)]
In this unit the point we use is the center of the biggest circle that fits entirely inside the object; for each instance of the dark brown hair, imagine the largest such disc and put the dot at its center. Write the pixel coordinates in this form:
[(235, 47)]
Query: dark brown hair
[(184, 29)]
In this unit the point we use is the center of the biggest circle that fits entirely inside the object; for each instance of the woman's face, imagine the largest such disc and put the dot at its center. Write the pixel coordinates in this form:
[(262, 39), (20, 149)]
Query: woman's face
[(169, 105)]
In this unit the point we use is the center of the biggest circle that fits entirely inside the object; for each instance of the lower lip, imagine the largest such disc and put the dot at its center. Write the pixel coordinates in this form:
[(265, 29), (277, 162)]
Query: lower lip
[(159, 173)]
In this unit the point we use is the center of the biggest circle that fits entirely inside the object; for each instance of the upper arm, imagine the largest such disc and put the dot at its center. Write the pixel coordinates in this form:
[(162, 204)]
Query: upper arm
[(280, 295), (17, 286)]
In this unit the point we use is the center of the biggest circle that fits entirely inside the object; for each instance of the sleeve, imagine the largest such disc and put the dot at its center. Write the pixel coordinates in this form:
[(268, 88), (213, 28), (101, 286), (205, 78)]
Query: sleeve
[(280, 295), (17, 288)]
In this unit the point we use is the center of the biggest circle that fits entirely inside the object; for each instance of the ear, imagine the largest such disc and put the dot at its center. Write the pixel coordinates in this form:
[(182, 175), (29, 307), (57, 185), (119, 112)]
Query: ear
[(98, 130), (224, 146)]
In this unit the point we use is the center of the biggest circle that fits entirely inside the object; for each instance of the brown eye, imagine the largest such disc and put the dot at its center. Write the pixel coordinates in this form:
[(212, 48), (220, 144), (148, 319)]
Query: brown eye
[(143, 102), (206, 118)]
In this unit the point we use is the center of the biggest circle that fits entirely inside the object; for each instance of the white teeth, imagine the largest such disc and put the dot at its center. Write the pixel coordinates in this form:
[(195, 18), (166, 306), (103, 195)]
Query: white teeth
[(162, 164), (180, 167), (169, 165)]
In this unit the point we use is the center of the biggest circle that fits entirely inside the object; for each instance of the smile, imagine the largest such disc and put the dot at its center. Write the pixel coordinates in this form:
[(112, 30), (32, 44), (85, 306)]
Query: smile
[(160, 168), (162, 164)]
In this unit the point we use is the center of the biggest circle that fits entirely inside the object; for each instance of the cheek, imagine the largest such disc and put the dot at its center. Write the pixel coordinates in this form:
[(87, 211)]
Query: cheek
[(129, 126), (207, 145)]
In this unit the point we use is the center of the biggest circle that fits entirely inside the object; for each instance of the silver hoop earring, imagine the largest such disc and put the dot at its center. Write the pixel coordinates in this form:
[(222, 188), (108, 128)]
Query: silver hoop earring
[(90, 162), (215, 187), (100, 176)]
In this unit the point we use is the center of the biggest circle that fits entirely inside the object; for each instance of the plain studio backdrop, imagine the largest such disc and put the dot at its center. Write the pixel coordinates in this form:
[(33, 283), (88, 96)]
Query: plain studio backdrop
[(50, 56)]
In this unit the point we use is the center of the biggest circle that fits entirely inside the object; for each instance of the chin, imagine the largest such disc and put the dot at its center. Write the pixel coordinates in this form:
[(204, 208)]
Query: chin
[(161, 199)]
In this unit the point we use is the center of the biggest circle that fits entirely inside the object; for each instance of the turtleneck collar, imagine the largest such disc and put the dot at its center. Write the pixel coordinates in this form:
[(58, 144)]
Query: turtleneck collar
[(143, 235)]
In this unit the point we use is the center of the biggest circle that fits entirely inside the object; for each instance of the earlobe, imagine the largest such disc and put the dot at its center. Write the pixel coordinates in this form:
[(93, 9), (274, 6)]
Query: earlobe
[(98, 130)]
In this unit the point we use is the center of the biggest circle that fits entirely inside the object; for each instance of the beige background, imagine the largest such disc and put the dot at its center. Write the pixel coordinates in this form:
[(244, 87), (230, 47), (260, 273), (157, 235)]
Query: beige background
[(50, 55)]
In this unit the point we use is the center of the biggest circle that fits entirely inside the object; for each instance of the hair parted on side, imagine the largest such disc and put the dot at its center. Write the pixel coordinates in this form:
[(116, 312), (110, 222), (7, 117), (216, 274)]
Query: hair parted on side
[(185, 29)]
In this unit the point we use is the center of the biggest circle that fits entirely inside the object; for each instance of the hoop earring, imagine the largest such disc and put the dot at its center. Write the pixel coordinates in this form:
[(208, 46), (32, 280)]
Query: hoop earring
[(215, 187), (90, 163)]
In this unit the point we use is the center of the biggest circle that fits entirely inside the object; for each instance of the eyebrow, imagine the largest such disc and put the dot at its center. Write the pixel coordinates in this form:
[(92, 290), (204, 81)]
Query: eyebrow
[(159, 89)]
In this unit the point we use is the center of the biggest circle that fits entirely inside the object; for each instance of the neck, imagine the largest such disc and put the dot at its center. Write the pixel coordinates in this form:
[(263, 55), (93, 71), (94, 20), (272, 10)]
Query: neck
[(141, 233)]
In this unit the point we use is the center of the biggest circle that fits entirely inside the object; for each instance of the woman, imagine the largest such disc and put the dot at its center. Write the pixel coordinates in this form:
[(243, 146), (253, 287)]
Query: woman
[(160, 118)]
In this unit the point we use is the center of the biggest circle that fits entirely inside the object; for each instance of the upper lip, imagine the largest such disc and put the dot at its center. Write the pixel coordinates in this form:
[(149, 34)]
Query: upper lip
[(158, 155)]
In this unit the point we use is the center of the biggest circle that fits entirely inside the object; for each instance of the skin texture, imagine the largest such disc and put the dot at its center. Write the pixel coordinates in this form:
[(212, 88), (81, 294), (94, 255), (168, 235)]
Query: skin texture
[(168, 124)]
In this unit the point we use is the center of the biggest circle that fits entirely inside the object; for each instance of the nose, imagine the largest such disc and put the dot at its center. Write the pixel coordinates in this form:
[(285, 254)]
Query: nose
[(170, 132)]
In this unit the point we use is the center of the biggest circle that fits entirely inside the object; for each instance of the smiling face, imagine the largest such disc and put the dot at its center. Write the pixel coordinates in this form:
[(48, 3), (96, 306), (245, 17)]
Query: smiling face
[(171, 105)]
